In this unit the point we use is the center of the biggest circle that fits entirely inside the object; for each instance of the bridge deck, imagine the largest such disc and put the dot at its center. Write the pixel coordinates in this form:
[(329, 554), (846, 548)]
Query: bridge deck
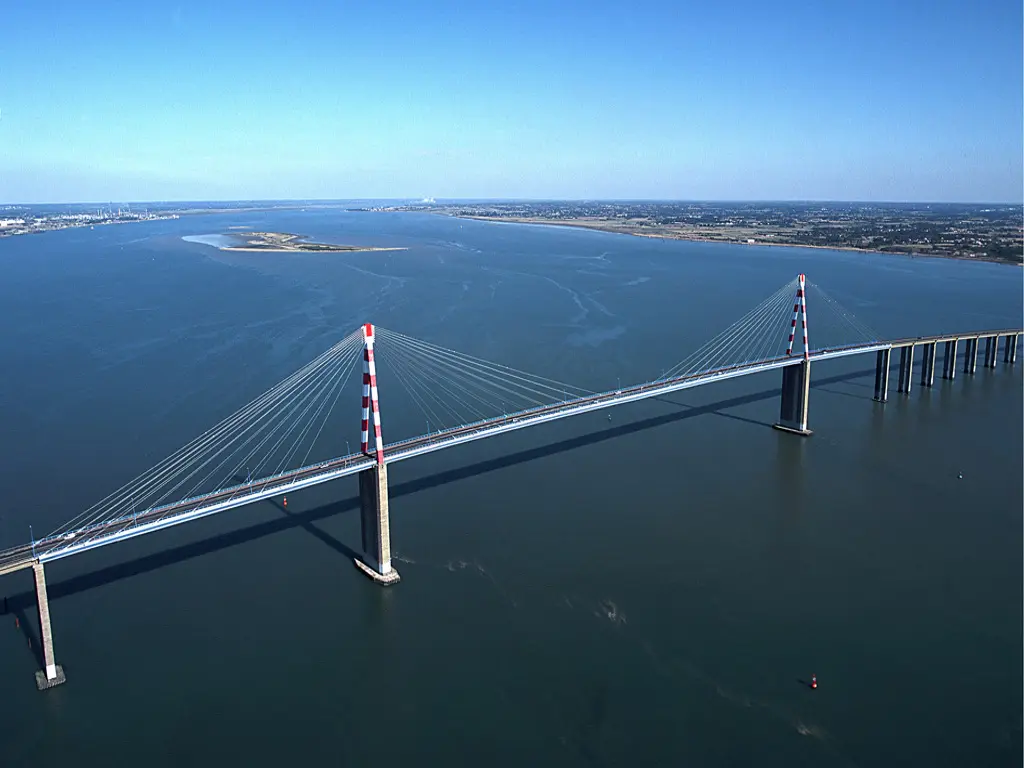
[(951, 337), (157, 518)]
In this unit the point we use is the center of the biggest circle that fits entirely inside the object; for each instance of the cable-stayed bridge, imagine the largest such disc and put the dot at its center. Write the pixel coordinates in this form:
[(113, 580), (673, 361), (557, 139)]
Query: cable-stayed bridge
[(281, 442)]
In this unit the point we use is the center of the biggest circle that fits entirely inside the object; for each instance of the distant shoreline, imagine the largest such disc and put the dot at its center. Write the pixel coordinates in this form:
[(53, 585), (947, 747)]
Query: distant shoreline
[(57, 225), (598, 226)]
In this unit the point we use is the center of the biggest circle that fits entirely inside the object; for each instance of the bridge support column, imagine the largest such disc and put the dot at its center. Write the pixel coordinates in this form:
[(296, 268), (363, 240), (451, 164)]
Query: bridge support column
[(906, 369), (796, 393), (949, 360), (882, 375), (991, 351), (52, 674), (928, 365), (376, 526), (971, 357), (1010, 349)]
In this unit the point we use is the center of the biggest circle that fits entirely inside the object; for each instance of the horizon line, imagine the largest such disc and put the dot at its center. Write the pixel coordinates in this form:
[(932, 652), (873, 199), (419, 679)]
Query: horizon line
[(442, 200)]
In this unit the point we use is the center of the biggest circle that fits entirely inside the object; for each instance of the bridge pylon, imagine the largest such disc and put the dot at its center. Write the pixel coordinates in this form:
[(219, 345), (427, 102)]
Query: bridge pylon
[(882, 362), (971, 357), (928, 364), (796, 378), (373, 482), (991, 351), (52, 673), (949, 359)]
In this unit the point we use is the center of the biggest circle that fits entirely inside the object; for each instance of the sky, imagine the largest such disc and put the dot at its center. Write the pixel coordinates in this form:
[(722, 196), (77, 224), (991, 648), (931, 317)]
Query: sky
[(895, 100)]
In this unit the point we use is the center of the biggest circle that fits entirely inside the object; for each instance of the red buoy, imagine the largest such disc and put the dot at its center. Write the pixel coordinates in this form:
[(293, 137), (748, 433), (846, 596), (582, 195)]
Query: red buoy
[(286, 501), (814, 682)]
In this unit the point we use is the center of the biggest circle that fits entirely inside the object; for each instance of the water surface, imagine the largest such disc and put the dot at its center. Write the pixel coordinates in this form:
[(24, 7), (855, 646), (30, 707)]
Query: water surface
[(650, 590)]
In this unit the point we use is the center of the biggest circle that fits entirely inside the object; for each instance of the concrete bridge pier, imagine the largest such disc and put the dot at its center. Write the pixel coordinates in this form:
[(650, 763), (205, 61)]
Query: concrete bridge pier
[(52, 674), (928, 365), (906, 369), (1010, 349), (376, 526), (949, 360), (882, 374), (971, 356), (796, 394), (991, 351)]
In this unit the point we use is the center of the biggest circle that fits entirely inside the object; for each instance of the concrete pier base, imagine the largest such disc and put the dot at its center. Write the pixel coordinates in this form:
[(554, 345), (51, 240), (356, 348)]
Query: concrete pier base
[(882, 359), (793, 430), (971, 357), (376, 526), (52, 674), (949, 360), (906, 370), (796, 392), (384, 579), (928, 365), (42, 682)]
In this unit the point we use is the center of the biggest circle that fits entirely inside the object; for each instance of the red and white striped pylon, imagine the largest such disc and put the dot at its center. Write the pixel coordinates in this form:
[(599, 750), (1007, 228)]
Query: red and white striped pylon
[(370, 397), (799, 308)]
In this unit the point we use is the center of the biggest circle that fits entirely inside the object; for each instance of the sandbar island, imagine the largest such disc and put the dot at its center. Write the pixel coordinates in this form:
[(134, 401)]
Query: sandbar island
[(285, 242)]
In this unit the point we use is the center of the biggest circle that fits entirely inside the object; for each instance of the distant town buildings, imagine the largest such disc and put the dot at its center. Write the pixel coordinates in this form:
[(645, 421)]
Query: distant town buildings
[(47, 221)]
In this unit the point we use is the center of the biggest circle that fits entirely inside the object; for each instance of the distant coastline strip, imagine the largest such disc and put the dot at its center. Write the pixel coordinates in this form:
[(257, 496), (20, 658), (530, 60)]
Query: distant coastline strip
[(602, 225)]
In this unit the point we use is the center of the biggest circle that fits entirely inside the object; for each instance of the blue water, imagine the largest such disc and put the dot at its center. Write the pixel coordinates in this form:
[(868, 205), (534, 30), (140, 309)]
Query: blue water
[(650, 590)]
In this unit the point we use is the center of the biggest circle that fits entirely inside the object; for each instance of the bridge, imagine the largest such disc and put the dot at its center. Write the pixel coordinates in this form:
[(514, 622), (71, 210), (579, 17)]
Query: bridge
[(466, 398)]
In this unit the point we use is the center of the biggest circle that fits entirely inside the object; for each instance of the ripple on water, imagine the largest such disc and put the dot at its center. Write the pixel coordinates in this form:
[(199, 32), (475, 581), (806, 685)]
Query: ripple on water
[(595, 337)]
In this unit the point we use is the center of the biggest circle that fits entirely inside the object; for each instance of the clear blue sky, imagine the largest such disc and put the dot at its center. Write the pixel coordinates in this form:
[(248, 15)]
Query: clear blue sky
[(863, 100)]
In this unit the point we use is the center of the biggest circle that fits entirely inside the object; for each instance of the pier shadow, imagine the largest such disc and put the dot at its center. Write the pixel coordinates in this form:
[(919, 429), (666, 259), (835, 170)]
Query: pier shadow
[(307, 525), (854, 395), (29, 632), (665, 399), (289, 520)]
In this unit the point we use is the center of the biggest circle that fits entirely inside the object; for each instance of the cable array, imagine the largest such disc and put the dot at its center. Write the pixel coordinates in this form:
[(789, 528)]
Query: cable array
[(760, 334), (451, 388), (275, 432), (763, 333), (279, 430), (831, 324)]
